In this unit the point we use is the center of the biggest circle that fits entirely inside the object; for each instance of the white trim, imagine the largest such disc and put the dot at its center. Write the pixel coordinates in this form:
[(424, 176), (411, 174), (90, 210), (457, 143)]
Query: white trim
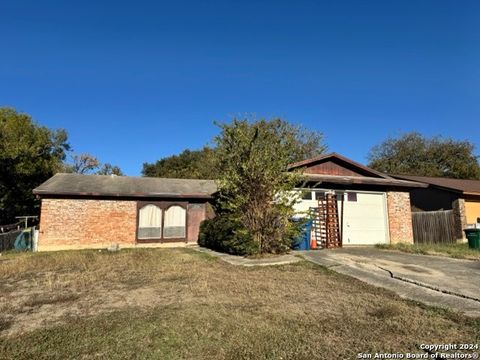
[(346, 191), (387, 219)]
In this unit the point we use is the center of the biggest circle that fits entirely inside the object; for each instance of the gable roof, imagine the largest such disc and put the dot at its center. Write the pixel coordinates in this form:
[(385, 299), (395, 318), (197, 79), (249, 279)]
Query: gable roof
[(362, 175), (464, 186), (340, 159), (125, 186)]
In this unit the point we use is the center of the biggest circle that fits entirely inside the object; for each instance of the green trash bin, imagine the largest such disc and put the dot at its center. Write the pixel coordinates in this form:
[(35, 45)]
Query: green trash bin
[(473, 236)]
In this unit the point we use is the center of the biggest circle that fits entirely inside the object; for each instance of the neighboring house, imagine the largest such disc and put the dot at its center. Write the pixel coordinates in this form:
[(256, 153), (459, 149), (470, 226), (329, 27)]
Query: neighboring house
[(373, 208), (461, 196), (95, 211)]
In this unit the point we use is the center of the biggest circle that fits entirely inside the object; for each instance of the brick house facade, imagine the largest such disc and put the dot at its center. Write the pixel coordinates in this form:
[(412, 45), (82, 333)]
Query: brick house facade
[(87, 211), (94, 211)]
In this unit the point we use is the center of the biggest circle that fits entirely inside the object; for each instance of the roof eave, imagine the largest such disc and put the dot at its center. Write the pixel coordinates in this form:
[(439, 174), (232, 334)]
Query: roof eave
[(364, 181), (41, 193), (470, 193)]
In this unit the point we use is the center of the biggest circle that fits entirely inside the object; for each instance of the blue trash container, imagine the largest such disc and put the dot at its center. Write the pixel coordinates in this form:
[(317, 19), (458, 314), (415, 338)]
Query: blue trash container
[(302, 242)]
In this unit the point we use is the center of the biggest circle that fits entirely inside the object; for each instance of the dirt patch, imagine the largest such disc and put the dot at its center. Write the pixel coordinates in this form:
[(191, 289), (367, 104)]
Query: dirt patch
[(86, 287)]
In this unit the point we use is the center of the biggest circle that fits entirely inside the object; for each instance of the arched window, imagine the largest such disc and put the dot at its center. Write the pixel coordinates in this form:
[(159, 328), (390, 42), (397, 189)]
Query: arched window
[(150, 222), (175, 222)]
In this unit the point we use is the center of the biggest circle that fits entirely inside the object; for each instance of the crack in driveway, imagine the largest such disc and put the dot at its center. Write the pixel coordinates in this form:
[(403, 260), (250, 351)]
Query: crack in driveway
[(427, 286)]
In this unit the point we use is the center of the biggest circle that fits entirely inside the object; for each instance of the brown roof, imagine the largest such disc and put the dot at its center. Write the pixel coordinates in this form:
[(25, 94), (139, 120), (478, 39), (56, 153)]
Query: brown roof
[(125, 186), (361, 180), (369, 177), (339, 158), (458, 185)]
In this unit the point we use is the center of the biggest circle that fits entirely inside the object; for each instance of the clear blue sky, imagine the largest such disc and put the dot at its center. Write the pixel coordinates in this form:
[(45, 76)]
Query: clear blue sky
[(134, 81)]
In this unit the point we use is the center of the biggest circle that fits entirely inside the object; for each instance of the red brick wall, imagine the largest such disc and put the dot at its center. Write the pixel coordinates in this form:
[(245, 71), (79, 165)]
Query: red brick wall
[(196, 214), (81, 223), (66, 223), (399, 217)]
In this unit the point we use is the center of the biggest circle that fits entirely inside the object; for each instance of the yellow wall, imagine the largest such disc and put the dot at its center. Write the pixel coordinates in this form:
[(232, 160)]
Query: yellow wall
[(472, 211)]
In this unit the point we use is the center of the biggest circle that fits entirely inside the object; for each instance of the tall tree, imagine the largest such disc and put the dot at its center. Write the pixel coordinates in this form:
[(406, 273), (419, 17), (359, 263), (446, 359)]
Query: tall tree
[(29, 155), (88, 164), (254, 186), (190, 164), (414, 154), (84, 163), (201, 164), (109, 169)]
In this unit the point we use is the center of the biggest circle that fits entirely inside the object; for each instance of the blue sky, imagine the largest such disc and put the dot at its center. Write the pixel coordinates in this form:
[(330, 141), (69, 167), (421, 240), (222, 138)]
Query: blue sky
[(134, 81)]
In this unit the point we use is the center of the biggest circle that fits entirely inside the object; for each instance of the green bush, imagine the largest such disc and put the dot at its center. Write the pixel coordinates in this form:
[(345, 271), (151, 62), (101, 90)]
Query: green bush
[(226, 235)]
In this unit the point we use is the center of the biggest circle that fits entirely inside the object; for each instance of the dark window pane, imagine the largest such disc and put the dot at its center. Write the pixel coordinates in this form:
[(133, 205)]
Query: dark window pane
[(319, 195), (307, 195), (351, 196)]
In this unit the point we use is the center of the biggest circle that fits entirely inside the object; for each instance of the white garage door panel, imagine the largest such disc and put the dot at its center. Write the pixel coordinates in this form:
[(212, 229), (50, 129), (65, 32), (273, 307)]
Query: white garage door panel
[(303, 206), (365, 221)]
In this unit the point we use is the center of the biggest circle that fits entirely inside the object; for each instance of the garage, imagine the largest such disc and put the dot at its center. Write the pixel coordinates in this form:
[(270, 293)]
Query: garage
[(362, 216), (352, 204), (365, 219)]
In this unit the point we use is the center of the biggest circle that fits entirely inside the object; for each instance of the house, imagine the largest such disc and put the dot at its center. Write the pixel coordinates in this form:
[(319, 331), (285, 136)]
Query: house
[(369, 207), (94, 211), (460, 195)]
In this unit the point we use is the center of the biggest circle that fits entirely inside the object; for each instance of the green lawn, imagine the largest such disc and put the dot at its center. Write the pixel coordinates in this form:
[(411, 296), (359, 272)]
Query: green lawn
[(181, 304), (459, 251)]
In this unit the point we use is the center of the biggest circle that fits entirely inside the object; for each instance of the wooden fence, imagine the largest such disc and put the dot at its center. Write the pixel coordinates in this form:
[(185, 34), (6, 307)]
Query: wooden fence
[(434, 227)]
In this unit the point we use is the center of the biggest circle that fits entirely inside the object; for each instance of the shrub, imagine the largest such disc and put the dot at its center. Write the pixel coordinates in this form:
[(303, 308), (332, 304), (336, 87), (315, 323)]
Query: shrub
[(254, 184), (226, 235)]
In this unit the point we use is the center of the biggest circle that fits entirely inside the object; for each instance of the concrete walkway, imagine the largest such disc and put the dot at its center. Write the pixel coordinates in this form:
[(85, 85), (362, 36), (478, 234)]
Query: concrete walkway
[(243, 261), (434, 280)]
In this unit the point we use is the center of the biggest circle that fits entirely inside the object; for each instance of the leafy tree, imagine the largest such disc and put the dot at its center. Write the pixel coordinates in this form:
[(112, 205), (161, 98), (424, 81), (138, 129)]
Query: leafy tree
[(109, 169), (190, 164), (254, 186), (84, 163), (201, 164), (29, 155), (88, 164), (414, 154)]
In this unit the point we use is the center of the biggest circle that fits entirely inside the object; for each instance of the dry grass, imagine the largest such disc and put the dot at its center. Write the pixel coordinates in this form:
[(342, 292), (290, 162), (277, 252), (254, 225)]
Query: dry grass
[(177, 303), (459, 251)]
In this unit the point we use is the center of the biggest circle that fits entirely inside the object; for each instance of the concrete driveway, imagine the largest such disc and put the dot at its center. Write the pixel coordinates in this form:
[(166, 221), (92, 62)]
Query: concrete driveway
[(434, 280)]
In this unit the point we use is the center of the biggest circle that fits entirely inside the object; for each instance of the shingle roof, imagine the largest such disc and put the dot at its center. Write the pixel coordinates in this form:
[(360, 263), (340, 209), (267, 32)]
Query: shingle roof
[(125, 186), (459, 185)]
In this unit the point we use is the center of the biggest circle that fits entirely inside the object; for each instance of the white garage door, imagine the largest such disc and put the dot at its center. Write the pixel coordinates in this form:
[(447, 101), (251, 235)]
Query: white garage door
[(365, 219), (364, 214)]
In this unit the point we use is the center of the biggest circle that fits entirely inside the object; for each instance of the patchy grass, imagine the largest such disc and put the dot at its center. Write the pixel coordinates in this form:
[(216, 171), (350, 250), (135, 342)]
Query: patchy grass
[(5, 323), (459, 251), (44, 299), (180, 304)]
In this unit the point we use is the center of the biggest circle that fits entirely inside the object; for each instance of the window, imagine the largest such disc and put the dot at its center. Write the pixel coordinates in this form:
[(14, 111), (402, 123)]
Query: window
[(352, 196), (319, 195), (150, 222), (175, 221), (162, 221), (307, 195)]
